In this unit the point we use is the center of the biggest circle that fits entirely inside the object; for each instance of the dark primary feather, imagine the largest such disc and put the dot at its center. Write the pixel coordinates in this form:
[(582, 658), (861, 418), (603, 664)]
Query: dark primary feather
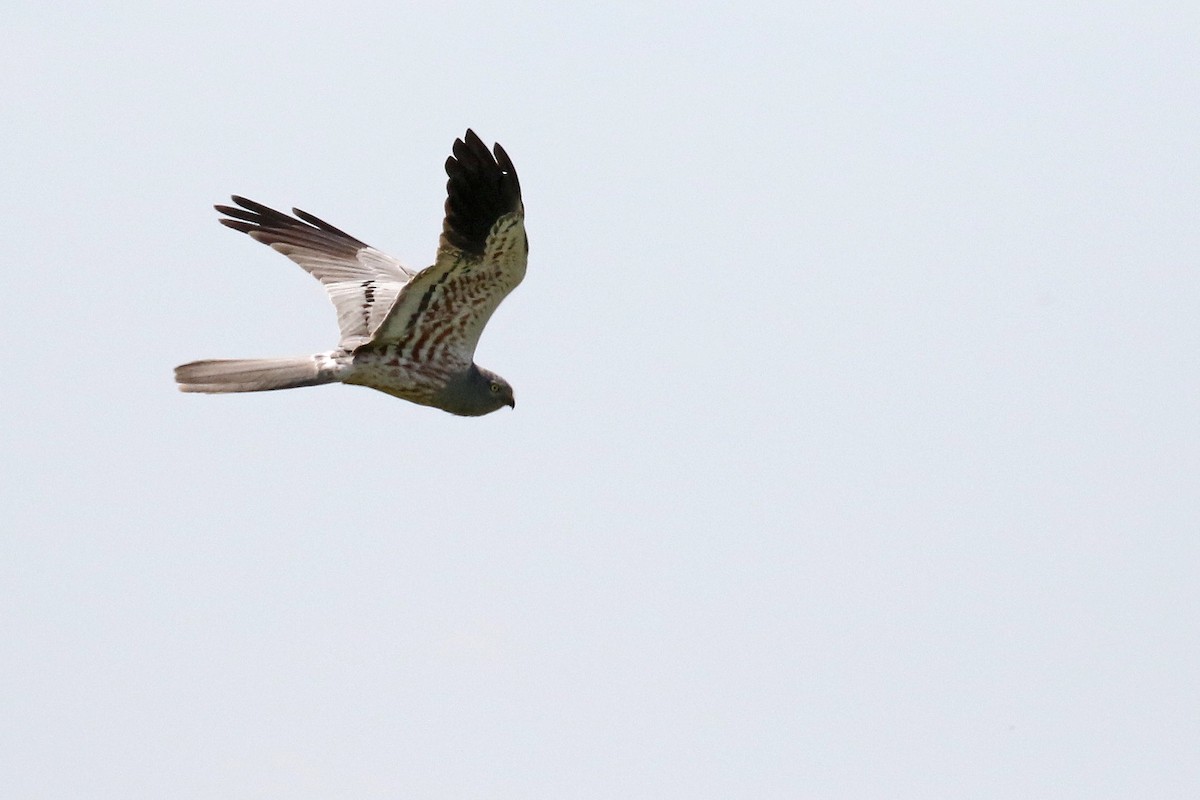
[(480, 190), (269, 226)]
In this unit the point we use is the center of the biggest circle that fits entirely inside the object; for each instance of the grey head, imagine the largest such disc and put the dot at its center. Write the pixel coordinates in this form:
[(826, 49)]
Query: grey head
[(474, 393)]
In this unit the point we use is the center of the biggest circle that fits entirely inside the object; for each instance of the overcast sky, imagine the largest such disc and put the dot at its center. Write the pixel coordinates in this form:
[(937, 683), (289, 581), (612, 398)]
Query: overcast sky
[(857, 444)]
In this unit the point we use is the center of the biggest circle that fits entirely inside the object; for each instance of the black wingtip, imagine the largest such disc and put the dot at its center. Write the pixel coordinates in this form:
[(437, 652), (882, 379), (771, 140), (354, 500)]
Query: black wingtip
[(275, 226), (237, 224), (250, 211), (251, 205), (482, 187)]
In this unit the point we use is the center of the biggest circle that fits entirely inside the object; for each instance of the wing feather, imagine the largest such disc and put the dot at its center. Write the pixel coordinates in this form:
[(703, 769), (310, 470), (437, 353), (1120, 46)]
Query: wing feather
[(361, 281), (440, 314)]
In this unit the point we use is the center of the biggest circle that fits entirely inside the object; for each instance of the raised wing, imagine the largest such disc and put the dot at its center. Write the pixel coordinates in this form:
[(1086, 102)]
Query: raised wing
[(440, 314), (361, 281)]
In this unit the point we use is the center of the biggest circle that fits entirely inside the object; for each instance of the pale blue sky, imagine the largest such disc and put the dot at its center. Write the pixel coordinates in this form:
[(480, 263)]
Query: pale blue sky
[(857, 450)]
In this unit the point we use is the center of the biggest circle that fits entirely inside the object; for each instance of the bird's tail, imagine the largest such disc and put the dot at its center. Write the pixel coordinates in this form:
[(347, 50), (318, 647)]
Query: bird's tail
[(257, 374)]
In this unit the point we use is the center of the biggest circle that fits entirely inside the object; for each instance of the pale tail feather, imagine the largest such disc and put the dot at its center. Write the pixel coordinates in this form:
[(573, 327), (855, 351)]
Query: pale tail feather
[(255, 374)]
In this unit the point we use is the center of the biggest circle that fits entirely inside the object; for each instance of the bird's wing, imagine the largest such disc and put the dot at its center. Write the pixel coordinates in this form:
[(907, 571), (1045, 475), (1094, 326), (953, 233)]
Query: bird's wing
[(361, 281), (441, 312)]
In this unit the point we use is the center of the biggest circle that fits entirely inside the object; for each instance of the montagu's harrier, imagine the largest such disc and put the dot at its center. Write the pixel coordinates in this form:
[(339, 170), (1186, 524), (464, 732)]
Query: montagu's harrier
[(408, 333)]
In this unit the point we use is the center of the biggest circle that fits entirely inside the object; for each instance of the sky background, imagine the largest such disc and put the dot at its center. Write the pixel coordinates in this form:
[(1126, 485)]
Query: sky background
[(857, 450)]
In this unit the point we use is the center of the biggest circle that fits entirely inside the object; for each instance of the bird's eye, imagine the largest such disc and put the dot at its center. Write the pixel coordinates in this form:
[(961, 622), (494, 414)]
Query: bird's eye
[(495, 388)]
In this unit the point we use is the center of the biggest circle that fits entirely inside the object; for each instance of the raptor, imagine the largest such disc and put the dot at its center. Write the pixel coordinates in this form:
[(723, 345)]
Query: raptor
[(409, 333)]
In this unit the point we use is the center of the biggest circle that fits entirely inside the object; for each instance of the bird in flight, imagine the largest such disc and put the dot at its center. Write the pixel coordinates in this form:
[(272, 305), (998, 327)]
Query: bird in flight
[(409, 333)]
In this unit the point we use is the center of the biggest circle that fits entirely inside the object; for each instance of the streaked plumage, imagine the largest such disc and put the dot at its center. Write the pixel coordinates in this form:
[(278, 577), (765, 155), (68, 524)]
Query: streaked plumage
[(407, 333)]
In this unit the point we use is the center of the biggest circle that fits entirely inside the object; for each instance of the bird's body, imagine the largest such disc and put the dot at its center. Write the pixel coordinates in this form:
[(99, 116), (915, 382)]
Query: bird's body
[(407, 333)]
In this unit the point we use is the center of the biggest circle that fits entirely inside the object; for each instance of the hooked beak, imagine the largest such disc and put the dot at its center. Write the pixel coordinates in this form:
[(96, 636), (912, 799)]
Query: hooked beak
[(512, 403)]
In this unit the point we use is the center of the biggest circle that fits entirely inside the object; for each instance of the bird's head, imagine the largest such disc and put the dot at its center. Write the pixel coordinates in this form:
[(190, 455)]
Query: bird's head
[(476, 392)]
